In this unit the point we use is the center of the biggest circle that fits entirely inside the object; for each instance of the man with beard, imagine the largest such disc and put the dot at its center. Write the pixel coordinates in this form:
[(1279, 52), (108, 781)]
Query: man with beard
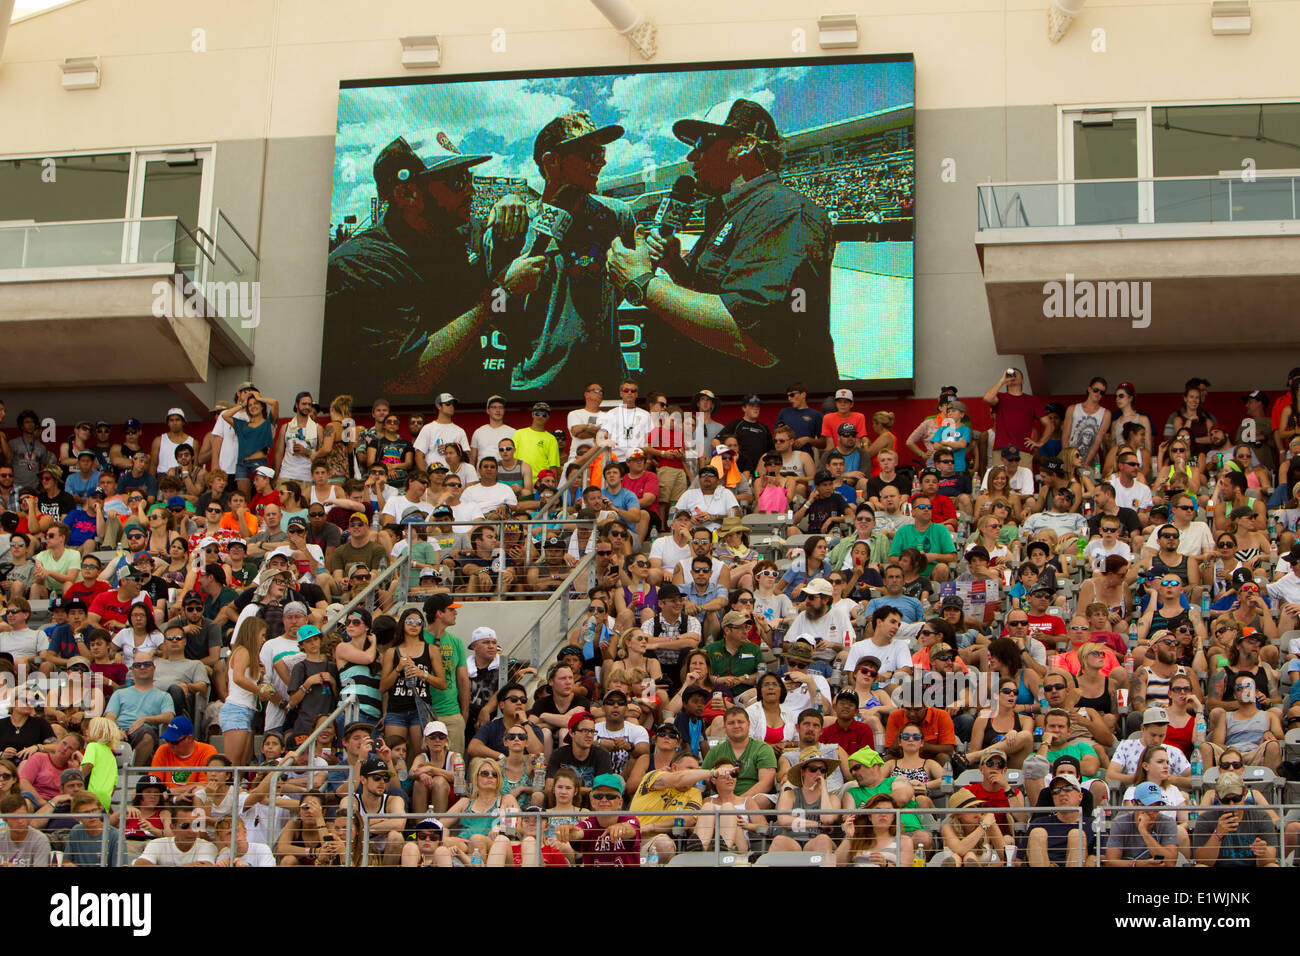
[(410, 294), (756, 286), (830, 627), (567, 326)]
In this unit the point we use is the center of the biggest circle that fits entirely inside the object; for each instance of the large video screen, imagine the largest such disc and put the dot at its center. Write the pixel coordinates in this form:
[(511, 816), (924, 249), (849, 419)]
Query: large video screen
[(735, 227)]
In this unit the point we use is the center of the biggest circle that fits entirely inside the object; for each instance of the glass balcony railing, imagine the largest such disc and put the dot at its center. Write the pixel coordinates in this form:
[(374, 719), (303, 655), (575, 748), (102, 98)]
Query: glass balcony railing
[(1203, 199), (223, 265), (98, 243)]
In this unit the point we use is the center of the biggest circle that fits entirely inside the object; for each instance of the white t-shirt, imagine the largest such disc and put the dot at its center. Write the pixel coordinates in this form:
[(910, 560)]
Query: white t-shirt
[(628, 428), (257, 854), (434, 435), (719, 503), (1285, 589), (800, 700), (669, 552), (484, 498), (486, 438), (1138, 497), (684, 566), (25, 643), (580, 416), (1021, 482), (632, 733), (228, 459), (398, 505), (832, 626), (1197, 539), (277, 649), (1173, 797), (573, 544), (298, 467), (164, 852), (1097, 553), (125, 640), (894, 655)]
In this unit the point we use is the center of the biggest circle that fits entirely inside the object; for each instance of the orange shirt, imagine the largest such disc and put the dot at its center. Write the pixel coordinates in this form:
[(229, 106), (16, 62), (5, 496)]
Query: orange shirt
[(1070, 662), (199, 757), (230, 524), (936, 727)]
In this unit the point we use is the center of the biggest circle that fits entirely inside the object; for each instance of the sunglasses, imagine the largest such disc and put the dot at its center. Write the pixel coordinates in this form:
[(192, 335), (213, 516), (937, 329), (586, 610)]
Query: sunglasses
[(1231, 798), (174, 637), (1009, 690), (1056, 790), (516, 699), (1185, 507), (996, 763), (1231, 764), (922, 507), (668, 733), (1170, 583), (602, 797), (1017, 623), (1080, 627), (427, 835), (1051, 687), (485, 772), (1180, 690), (911, 736), (516, 736), (142, 666), (867, 672)]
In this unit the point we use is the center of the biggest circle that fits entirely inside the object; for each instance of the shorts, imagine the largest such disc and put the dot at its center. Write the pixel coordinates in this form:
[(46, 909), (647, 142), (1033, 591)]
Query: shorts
[(137, 737), (672, 485), (245, 468), (400, 718), (234, 717)]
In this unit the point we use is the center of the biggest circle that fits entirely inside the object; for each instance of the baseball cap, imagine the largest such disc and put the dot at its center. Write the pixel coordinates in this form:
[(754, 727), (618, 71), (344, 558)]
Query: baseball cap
[(481, 634), (952, 601), (1155, 715), (266, 471), (578, 718), (438, 602), (959, 405), (131, 423), (372, 765), (991, 753), (175, 501), (1229, 784), (307, 632), (735, 619), (1066, 778), (849, 695), (708, 392), (844, 393), (847, 428), (611, 781), (1010, 452), (435, 727), (752, 400), (494, 400), (867, 757), (541, 407), (695, 690), (818, 586), (730, 120), (1150, 795), (297, 522), (176, 411), (179, 728), (428, 573), (978, 551), (398, 162), (430, 823), (566, 134), (357, 518), (445, 398), (635, 453), (192, 598), (86, 453)]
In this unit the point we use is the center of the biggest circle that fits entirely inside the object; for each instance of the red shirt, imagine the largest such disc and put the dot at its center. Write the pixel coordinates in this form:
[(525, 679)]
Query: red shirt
[(598, 849), (994, 798), (942, 509), (259, 502), (550, 856), (666, 438), (113, 610), (831, 425), (1014, 419), (936, 727), (647, 484), (858, 735), (1046, 624), (87, 594)]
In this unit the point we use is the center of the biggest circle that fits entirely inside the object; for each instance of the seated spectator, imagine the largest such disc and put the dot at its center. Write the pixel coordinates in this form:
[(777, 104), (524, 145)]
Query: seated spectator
[(42, 772), (1065, 836), (1237, 835), (180, 749), (90, 842), (973, 837), (1142, 837), (21, 844), (182, 845)]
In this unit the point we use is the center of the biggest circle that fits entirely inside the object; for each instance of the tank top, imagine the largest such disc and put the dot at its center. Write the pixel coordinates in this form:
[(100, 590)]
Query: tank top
[(1179, 570), (167, 452), (406, 690), (295, 466), (1158, 687), (1181, 737), (889, 851), (239, 696), (1102, 703), (479, 822), (1023, 696), (1244, 733), (774, 735), (364, 684), (1084, 429), (916, 775), (991, 735), (802, 803), (514, 477)]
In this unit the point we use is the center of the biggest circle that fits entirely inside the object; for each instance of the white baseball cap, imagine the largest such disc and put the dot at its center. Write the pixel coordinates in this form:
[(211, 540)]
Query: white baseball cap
[(435, 727), (175, 411), (481, 634), (844, 393)]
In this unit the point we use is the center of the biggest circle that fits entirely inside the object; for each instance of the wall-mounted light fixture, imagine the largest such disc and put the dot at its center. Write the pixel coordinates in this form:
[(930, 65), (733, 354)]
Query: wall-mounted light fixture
[(421, 52), (80, 73)]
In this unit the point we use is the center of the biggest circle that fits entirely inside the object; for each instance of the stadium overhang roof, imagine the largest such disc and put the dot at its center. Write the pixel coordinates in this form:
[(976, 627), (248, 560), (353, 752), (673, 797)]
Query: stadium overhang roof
[(1134, 288)]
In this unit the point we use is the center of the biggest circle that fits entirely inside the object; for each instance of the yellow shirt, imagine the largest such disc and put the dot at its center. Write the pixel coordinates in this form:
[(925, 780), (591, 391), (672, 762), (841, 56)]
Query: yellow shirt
[(539, 449), (673, 803)]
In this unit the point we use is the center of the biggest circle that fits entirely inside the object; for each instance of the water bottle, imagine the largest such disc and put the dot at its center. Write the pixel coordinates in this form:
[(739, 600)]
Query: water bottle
[(1205, 602), (652, 855), (1198, 732), (476, 859), (1197, 769), (1272, 526), (837, 675), (1043, 705), (1132, 634), (762, 667), (458, 769), (539, 774), (947, 775), (918, 855), (1128, 662)]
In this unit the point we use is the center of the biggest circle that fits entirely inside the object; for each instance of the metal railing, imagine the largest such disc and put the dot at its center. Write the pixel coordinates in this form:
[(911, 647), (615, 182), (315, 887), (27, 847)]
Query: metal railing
[(103, 815), (582, 462)]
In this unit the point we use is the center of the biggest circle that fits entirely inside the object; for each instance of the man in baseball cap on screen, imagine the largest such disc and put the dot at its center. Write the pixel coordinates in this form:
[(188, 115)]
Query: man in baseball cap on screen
[(394, 291), (755, 290), (572, 318)]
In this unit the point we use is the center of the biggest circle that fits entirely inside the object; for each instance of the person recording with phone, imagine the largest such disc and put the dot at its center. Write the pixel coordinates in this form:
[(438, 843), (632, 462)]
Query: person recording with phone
[(567, 324), (756, 286)]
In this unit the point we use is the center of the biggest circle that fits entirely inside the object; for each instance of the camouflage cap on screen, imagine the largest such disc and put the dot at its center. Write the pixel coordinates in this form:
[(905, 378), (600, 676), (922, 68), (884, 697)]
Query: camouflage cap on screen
[(398, 162), (571, 132), (742, 116)]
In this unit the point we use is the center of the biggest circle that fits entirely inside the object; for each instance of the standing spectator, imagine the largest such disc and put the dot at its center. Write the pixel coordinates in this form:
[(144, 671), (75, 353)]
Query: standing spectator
[(534, 444), (751, 435), (441, 431), (1014, 412), (449, 704), (27, 456)]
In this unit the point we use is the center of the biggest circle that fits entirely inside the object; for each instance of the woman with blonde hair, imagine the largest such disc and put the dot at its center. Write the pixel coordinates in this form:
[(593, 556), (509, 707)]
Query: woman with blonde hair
[(973, 836), (998, 487), (340, 439), (630, 653), (485, 808), (245, 691), (99, 762)]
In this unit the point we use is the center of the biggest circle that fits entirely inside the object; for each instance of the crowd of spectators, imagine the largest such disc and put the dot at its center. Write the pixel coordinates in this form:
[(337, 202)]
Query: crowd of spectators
[(823, 628)]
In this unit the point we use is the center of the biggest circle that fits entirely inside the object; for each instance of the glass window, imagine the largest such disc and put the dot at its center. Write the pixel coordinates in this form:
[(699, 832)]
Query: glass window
[(1107, 151), (76, 187)]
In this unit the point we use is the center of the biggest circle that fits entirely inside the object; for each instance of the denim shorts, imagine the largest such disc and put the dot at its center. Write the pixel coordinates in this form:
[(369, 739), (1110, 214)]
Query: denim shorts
[(234, 717), (409, 718), (245, 468)]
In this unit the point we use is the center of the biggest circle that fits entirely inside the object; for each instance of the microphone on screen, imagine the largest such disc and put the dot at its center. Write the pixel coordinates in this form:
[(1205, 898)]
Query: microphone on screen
[(552, 222), (675, 209)]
